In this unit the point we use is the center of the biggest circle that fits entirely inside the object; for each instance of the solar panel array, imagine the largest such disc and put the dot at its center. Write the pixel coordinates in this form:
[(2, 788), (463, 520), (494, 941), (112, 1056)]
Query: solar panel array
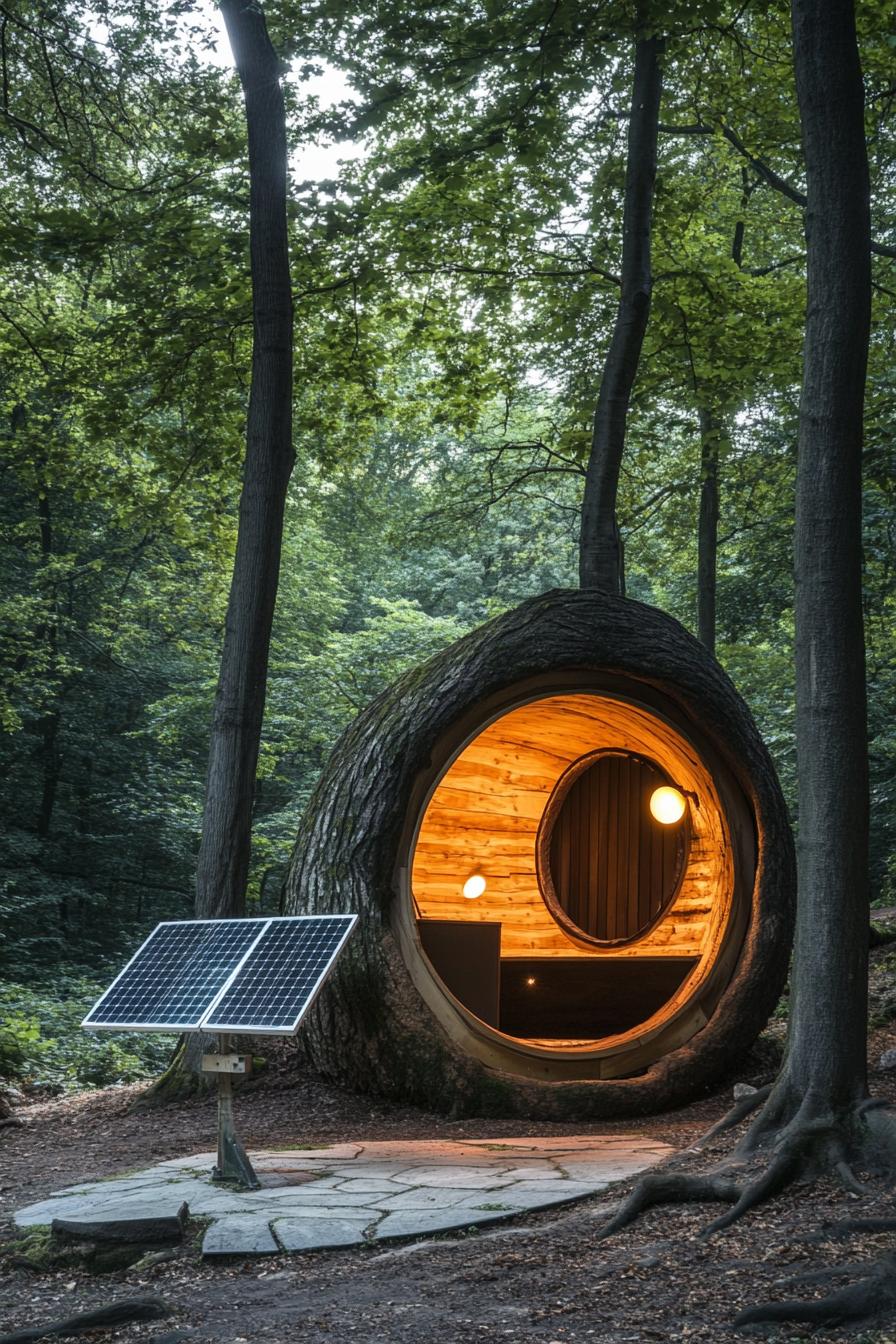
[(261, 975)]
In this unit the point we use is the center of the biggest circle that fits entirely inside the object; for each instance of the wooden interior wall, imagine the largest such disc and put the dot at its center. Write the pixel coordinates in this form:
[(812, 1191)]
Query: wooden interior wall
[(484, 814)]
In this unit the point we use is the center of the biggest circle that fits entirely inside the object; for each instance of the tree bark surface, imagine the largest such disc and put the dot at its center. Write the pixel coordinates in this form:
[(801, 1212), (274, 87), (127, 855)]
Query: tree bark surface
[(711, 432), (600, 550), (370, 1029), (238, 712), (826, 1055)]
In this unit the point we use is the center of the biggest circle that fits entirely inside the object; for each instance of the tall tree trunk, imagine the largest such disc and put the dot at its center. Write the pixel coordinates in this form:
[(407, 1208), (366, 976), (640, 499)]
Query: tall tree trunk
[(225, 847), (827, 1045), (817, 1116), (708, 528), (714, 435), (600, 551), (239, 700), (48, 725)]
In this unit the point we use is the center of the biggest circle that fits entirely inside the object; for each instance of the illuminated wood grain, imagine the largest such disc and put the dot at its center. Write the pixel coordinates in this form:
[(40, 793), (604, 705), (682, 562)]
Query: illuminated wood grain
[(485, 811)]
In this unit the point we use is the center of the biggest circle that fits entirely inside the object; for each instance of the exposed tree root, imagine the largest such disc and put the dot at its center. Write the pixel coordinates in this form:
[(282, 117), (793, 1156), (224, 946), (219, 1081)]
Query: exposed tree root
[(802, 1143), (848, 1227), (848, 1179), (116, 1313), (809, 1145), (873, 1104), (858, 1269), (780, 1173), (719, 1185), (739, 1111), (873, 1295), (672, 1188)]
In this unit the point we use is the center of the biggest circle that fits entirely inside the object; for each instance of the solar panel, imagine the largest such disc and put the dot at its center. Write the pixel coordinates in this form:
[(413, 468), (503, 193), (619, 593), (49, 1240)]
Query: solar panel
[(281, 975), (226, 975), (173, 978)]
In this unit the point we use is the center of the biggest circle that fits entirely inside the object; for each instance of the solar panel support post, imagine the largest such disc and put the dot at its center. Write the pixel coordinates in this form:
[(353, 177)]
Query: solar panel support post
[(233, 1161)]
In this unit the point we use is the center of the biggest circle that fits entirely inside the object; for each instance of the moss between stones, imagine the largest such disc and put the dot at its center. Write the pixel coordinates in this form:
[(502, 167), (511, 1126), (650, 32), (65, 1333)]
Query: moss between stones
[(29, 1250)]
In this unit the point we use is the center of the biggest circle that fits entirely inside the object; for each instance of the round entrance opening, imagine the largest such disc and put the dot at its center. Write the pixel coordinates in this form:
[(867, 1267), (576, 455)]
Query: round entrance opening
[(573, 883)]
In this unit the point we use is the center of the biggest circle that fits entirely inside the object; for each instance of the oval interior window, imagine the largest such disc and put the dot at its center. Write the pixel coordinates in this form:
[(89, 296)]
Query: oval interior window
[(608, 869)]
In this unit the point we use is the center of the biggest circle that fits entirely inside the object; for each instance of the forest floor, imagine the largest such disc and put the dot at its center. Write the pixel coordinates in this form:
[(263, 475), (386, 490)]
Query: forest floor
[(546, 1278)]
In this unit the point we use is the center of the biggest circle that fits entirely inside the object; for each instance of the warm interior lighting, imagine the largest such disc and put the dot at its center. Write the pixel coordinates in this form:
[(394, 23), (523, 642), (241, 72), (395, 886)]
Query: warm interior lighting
[(474, 886), (667, 805), (530, 981)]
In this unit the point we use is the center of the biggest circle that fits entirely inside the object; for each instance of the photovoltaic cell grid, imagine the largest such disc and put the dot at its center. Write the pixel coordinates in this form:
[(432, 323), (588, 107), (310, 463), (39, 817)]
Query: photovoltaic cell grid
[(187, 972), (276, 984), (175, 975)]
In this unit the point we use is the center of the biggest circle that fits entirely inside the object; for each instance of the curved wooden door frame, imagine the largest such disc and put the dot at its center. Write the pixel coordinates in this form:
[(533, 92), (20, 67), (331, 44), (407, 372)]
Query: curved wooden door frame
[(545, 834), (639, 1048)]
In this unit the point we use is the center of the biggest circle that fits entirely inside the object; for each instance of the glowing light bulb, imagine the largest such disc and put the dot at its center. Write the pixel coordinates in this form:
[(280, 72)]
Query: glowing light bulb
[(474, 886), (667, 805), (530, 981)]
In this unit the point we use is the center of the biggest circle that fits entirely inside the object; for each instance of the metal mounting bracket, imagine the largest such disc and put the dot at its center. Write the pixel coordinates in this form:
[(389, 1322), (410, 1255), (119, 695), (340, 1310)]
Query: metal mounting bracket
[(233, 1161)]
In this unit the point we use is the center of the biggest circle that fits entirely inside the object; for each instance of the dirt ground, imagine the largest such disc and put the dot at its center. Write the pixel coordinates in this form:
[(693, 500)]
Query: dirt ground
[(545, 1279)]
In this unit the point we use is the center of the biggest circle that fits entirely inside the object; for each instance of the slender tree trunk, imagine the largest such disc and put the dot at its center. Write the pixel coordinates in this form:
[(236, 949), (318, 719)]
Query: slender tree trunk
[(48, 726), (600, 552), (239, 700), (708, 529), (827, 1045), (50, 761), (714, 434)]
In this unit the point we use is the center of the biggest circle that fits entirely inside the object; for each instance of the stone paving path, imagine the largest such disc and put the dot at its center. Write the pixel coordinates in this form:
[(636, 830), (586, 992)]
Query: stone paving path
[(352, 1193)]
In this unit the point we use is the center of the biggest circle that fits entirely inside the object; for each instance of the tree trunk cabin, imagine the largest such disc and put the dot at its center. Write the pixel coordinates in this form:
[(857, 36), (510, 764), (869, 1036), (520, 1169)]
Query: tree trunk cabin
[(572, 863)]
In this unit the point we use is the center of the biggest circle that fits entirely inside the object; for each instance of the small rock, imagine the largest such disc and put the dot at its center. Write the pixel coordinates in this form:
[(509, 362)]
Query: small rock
[(742, 1090), (887, 1060)]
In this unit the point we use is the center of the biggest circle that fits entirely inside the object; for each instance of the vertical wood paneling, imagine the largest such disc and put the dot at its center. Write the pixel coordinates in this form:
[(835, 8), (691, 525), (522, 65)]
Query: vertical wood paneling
[(614, 868)]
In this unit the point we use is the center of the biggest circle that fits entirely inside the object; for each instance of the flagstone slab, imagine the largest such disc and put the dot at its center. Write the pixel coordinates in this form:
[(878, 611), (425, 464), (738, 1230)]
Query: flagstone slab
[(312, 1213), (349, 1193), (615, 1168), (425, 1198), (240, 1236), (521, 1197), (302, 1195), (414, 1222), (334, 1152), (357, 1185), (453, 1178), (294, 1234)]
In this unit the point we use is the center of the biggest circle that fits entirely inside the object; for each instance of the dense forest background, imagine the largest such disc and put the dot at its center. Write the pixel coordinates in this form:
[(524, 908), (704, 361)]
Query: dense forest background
[(455, 281)]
